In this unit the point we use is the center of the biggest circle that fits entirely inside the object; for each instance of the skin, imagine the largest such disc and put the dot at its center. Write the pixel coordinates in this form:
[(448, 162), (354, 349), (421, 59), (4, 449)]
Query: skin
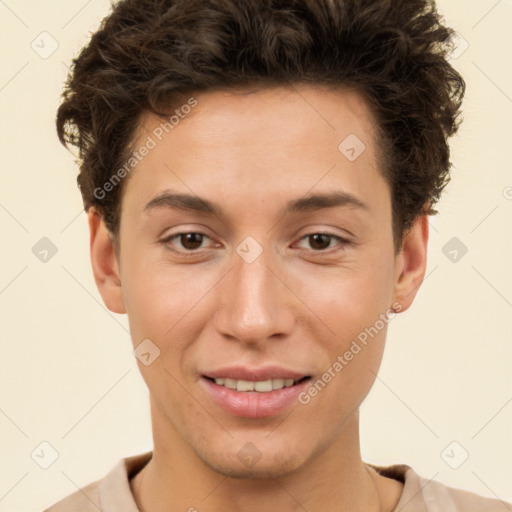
[(296, 305)]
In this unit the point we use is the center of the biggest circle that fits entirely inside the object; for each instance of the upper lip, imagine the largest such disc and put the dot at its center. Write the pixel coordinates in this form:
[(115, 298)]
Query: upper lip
[(254, 374)]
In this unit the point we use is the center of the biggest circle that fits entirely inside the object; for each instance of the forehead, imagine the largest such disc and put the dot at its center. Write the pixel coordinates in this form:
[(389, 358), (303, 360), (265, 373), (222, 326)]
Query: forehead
[(225, 115), (258, 140)]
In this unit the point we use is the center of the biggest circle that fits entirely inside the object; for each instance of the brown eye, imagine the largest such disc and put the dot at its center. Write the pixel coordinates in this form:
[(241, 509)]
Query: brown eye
[(191, 241), (186, 242), (319, 241)]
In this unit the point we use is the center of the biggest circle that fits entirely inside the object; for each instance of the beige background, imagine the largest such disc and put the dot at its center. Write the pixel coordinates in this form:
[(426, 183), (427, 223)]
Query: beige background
[(68, 376)]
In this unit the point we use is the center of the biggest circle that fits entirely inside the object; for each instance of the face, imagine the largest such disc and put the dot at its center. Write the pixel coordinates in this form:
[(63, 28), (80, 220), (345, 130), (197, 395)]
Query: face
[(278, 264)]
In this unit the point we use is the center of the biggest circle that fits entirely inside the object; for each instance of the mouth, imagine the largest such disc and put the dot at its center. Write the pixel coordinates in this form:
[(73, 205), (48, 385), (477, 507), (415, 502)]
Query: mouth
[(261, 386), (253, 398)]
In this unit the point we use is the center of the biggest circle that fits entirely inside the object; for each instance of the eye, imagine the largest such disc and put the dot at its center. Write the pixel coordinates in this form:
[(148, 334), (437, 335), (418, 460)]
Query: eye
[(192, 242), (187, 241), (319, 242)]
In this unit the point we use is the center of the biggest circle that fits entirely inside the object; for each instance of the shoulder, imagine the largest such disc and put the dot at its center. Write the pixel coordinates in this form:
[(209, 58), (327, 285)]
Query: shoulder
[(437, 494), (86, 499), (108, 494), (428, 495)]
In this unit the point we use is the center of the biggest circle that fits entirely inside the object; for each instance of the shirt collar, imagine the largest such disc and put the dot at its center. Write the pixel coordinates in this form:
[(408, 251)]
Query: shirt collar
[(115, 492)]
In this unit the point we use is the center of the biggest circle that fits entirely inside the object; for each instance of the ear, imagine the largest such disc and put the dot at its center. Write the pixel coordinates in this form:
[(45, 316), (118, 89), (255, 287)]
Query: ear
[(104, 263), (411, 263)]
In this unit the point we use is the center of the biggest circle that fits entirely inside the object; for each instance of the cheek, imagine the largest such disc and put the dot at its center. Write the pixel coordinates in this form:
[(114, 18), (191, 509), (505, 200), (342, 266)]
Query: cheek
[(168, 305), (348, 299), (158, 297), (163, 305), (355, 306), (361, 320)]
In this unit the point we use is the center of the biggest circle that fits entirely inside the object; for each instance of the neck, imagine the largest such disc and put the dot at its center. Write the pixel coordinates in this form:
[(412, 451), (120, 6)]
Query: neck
[(334, 478)]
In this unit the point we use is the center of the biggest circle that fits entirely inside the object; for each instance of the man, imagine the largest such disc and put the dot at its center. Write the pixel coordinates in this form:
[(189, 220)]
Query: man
[(258, 177)]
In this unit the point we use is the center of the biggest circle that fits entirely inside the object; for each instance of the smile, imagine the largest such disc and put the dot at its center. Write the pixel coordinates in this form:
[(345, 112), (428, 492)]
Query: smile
[(262, 386), (253, 399)]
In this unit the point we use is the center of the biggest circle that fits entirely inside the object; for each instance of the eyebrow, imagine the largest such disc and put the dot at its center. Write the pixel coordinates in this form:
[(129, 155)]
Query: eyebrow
[(188, 202)]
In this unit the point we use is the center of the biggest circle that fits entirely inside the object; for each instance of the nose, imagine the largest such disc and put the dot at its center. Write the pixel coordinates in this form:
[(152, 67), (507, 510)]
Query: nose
[(254, 304)]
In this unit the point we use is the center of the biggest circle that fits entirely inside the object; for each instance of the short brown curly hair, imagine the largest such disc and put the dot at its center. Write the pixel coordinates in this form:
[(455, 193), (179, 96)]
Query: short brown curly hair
[(148, 54)]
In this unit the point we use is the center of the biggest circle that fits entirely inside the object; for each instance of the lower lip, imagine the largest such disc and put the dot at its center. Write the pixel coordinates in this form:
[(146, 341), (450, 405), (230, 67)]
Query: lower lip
[(253, 404)]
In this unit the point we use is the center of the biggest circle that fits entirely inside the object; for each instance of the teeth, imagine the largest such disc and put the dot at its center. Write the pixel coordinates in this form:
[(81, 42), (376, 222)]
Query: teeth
[(278, 383), (230, 383), (262, 386), (244, 385)]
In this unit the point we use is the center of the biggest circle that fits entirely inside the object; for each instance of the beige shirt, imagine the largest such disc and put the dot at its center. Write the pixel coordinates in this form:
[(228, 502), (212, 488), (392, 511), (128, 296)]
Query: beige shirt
[(112, 493)]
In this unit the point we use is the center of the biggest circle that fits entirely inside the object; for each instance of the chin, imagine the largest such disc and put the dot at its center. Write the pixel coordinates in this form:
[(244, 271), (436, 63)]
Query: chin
[(277, 464)]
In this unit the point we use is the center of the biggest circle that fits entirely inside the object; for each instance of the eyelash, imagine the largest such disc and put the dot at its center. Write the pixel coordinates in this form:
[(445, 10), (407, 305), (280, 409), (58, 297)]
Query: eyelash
[(342, 242)]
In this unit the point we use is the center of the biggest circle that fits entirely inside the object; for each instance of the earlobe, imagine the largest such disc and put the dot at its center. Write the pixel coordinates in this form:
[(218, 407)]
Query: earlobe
[(411, 263), (104, 263)]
